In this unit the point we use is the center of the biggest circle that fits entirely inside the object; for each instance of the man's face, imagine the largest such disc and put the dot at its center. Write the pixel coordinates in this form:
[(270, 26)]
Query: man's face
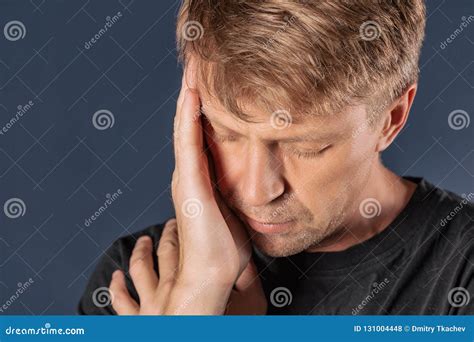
[(303, 175)]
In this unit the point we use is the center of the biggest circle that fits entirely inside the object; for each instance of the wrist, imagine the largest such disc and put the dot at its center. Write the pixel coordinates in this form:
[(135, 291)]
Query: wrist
[(199, 296)]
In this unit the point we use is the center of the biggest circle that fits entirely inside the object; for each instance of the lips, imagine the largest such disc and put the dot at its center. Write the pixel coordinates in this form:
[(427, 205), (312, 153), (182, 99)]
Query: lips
[(270, 227)]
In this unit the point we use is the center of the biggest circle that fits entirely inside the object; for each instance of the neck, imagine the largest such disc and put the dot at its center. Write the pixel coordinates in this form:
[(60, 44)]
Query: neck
[(390, 190)]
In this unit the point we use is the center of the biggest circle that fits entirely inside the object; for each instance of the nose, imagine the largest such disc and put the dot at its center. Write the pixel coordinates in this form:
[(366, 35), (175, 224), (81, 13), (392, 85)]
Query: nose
[(261, 180)]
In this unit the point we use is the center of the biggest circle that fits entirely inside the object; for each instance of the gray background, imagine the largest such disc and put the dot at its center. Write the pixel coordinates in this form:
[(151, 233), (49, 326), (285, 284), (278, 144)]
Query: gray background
[(62, 167)]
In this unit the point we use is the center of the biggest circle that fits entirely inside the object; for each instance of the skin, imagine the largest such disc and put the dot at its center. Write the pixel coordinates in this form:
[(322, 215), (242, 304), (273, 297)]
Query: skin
[(203, 260), (237, 169), (319, 184)]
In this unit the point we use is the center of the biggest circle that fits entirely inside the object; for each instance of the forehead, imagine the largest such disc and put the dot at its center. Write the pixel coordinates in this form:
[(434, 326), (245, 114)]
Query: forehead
[(283, 124)]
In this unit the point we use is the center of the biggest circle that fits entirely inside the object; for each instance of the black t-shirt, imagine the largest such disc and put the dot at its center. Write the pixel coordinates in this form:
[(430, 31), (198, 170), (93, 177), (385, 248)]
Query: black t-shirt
[(422, 263)]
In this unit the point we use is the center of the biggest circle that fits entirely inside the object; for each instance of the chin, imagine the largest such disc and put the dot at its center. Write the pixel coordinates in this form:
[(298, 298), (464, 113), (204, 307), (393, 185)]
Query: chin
[(279, 246)]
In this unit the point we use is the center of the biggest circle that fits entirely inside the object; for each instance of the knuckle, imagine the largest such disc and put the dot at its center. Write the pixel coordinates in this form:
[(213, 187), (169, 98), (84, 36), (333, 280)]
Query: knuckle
[(169, 237), (167, 283), (167, 245)]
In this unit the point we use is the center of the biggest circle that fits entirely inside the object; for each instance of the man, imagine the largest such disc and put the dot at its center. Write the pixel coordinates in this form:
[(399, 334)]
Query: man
[(282, 203)]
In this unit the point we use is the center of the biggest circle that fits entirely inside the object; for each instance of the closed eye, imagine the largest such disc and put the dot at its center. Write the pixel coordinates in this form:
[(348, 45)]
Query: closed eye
[(305, 154), (224, 138)]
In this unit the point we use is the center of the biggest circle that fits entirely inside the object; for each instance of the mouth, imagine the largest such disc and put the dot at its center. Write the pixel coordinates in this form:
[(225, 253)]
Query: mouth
[(269, 227)]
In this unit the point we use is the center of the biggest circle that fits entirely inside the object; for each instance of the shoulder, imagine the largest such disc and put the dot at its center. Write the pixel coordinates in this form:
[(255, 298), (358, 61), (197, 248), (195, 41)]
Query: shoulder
[(445, 244), (456, 226), (442, 222), (455, 223), (455, 215), (458, 210), (96, 299), (447, 211)]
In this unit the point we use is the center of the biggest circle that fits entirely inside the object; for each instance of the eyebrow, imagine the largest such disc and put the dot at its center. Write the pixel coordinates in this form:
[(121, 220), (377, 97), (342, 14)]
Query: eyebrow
[(306, 137), (215, 123)]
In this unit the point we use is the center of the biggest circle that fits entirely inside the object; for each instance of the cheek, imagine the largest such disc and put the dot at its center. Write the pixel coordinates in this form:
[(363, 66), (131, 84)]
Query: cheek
[(328, 182)]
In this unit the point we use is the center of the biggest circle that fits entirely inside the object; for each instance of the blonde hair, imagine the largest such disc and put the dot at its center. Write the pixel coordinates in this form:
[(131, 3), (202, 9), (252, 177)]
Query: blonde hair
[(307, 57)]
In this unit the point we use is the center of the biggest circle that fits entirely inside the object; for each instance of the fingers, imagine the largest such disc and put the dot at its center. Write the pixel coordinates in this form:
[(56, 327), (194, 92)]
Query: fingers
[(179, 105), (174, 185), (141, 268), (184, 86), (190, 159), (168, 260), (240, 236), (189, 143), (188, 81), (168, 252), (122, 303)]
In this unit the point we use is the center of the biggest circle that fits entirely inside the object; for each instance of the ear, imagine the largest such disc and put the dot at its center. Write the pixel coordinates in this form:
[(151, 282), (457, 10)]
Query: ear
[(396, 116)]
